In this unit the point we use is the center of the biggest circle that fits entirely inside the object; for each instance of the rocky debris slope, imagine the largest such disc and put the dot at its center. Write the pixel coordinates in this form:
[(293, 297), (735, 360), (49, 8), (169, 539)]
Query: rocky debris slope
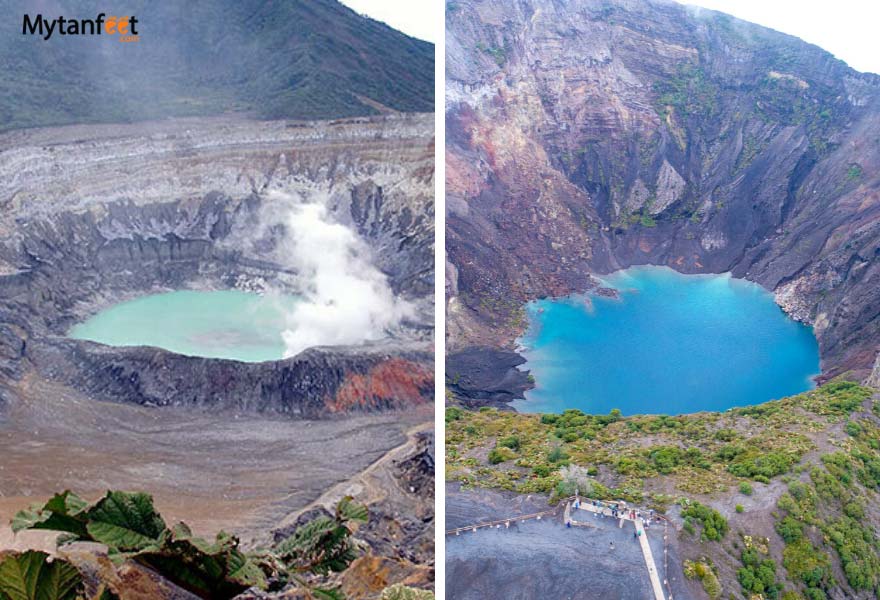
[(588, 136), (96, 215), (399, 491)]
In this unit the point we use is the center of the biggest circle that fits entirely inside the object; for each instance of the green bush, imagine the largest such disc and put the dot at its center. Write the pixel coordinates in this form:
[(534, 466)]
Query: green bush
[(453, 414), (500, 455), (808, 564), (557, 455), (758, 575), (511, 441), (542, 470), (745, 488), (761, 466), (715, 526), (666, 458), (740, 508), (790, 529)]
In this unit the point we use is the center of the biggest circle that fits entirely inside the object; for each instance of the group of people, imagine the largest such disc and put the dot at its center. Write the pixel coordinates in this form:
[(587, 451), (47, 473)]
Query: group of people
[(619, 510)]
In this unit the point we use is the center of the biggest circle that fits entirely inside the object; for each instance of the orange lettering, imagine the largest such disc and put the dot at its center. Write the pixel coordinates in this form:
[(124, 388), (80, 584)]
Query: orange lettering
[(110, 27), (122, 25)]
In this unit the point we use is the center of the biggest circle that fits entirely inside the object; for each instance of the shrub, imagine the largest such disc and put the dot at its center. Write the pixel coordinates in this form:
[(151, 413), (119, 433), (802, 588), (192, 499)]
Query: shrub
[(761, 466), (739, 508), (666, 458), (501, 454), (453, 414), (790, 529), (758, 576), (557, 455), (542, 470), (715, 526), (711, 585), (703, 572), (852, 428), (805, 563), (511, 441), (745, 488), (575, 479)]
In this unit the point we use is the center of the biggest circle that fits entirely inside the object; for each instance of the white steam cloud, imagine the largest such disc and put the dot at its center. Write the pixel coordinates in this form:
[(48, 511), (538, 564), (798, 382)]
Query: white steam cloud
[(344, 298)]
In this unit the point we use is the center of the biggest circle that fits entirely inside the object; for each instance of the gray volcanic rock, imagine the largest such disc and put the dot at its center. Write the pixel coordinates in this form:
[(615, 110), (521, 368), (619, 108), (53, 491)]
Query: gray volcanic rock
[(96, 215), (589, 136), (484, 376)]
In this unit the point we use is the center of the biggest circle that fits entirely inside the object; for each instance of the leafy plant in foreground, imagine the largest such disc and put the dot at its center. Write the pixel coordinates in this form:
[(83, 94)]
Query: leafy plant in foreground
[(32, 576), (132, 529)]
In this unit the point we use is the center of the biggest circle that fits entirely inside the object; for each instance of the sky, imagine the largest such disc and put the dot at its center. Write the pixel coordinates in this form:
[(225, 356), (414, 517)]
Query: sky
[(845, 28), (417, 18)]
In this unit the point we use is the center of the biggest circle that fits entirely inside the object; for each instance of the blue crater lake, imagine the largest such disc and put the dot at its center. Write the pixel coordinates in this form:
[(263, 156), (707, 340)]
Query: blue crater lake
[(670, 344), (218, 324)]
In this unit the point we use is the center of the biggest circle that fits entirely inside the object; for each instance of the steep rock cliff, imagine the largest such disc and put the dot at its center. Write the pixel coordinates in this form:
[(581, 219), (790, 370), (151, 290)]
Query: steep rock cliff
[(95, 215), (591, 135)]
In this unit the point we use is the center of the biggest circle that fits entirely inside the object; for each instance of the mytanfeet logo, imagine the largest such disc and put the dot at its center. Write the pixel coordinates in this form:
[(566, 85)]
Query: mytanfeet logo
[(103, 24)]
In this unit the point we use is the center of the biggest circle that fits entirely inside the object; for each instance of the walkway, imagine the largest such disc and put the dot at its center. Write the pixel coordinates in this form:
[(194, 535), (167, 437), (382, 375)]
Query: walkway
[(639, 525), (602, 508)]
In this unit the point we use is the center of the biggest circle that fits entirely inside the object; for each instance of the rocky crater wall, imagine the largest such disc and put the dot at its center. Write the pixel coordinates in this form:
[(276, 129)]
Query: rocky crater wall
[(96, 215), (588, 136)]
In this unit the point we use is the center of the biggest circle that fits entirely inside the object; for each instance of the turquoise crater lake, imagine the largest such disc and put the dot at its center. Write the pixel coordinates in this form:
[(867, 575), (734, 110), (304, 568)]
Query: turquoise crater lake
[(218, 324), (670, 344)]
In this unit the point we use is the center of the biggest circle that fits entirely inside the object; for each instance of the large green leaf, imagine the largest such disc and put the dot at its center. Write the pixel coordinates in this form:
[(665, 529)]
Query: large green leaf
[(320, 546), (349, 510), (30, 576), (125, 522), (63, 512), (214, 570)]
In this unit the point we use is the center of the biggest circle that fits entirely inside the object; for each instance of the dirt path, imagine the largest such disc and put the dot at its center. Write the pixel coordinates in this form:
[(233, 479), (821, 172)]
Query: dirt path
[(370, 486)]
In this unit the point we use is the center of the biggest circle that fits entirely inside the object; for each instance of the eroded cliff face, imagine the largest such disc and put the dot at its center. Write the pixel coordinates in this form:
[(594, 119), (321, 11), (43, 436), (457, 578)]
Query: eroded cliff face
[(591, 135), (95, 215)]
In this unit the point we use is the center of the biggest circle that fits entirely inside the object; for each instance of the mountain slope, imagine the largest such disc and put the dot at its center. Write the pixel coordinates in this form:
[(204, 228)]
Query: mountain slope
[(591, 135), (303, 59)]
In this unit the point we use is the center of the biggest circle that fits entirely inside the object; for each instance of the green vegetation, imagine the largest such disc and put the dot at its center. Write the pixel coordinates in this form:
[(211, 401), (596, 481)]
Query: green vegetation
[(34, 576), (783, 98), (499, 55), (714, 526), (824, 519), (212, 58), (703, 571), (758, 574), (689, 91), (647, 220), (702, 453), (131, 528), (854, 172), (400, 592), (500, 455)]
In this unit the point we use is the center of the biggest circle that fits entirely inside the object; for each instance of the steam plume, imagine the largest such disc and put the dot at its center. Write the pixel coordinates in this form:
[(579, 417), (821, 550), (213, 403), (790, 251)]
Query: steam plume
[(344, 299)]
